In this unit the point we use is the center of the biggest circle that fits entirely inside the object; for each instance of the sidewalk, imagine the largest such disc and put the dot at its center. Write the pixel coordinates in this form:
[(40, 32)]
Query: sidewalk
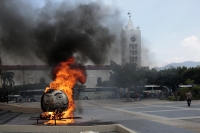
[(17, 108)]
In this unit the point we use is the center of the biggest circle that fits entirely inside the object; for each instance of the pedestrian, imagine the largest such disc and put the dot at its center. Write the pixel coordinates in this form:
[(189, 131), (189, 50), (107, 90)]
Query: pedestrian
[(158, 94), (189, 97), (148, 95)]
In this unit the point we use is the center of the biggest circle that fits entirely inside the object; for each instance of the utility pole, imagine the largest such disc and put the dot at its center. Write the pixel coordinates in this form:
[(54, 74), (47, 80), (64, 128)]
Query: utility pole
[(0, 69), (128, 95), (29, 78), (0, 73), (23, 78)]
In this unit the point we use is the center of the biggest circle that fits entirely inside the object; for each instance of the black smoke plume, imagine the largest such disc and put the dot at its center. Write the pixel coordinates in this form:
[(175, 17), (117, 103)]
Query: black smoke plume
[(56, 31)]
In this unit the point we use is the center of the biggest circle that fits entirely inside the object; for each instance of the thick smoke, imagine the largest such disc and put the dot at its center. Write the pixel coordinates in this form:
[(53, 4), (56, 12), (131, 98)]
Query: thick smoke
[(56, 31), (148, 57)]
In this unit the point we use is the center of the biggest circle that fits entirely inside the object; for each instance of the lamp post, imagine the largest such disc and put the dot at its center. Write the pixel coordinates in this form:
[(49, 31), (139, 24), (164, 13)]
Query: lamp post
[(29, 78), (0, 74), (1, 69)]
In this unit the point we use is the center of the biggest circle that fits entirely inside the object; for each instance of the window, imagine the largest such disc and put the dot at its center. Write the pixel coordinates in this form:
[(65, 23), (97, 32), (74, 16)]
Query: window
[(135, 46), (136, 58), (131, 52), (132, 46), (131, 58), (148, 88), (135, 52)]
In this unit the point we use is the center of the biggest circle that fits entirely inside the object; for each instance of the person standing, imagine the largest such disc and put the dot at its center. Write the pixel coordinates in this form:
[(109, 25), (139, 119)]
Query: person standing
[(189, 97)]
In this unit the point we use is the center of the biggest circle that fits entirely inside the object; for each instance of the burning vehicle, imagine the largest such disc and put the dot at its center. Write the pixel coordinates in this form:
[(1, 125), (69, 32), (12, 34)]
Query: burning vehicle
[(57, 102), (54, 100)]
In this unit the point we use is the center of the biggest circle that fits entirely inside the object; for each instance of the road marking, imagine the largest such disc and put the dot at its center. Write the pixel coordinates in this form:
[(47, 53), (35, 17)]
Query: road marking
[(152, 117), (136, 113), (181, 118), (165, 110)]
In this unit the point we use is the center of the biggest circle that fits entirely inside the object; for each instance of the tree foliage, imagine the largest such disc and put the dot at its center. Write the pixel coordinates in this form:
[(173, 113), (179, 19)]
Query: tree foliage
[(7, 79), (129, 75)]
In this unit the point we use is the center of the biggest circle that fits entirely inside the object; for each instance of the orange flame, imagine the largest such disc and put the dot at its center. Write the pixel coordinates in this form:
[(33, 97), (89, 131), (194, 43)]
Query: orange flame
[(66, 78)]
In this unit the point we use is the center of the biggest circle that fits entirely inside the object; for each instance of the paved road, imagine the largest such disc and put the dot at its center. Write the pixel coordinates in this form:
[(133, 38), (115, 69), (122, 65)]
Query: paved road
[(146, 116), (154, 116)]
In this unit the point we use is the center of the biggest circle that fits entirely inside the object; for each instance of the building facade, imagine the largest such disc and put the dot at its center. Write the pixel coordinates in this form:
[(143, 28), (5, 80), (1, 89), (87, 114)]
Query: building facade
[(131, 44), (30, 74)]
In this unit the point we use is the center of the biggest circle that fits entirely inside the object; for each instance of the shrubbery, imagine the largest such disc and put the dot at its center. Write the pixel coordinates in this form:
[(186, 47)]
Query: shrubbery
[(194, 90), (172, 98)]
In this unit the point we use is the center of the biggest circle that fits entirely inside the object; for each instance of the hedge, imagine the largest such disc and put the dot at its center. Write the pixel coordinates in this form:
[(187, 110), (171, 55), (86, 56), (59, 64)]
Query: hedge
[(195, 91)]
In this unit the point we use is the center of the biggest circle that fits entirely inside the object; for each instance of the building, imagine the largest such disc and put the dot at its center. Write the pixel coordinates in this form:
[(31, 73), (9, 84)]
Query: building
[(130, 52), (30, 74), (131, 44)]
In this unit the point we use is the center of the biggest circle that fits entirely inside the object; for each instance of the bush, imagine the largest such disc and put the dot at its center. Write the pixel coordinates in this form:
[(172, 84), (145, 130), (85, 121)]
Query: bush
[(195, 91), (172, 98), (183, 92)]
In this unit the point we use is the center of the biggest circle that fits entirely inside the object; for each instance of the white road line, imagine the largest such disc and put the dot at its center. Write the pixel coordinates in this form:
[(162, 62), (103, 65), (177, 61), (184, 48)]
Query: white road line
[(165, 110), (151, 115), (137, 113), (189, 108), (180, 118)]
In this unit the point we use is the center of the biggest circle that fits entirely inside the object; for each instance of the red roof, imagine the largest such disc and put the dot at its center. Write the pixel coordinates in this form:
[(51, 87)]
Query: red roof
[(43, 67)]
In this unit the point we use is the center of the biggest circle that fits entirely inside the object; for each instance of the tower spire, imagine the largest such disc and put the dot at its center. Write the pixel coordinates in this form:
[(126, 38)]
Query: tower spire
[(129, 14), (129, 25)]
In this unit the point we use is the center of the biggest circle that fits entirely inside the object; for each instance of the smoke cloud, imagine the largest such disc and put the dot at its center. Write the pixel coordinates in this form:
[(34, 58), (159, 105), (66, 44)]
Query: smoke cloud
[(57, 31)]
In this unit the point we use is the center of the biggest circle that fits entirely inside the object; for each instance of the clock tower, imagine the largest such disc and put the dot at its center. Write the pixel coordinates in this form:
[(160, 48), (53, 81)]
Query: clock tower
[(131, 44)]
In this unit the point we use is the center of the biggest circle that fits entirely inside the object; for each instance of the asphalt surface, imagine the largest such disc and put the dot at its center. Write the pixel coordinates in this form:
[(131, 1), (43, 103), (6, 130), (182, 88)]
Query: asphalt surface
[(146, 116)]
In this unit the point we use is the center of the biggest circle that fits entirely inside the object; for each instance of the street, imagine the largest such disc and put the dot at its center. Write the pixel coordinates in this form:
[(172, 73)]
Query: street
[(148, 115)]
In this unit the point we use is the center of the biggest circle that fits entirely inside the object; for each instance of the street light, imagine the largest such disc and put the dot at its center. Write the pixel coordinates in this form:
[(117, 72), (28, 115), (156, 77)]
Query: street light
[(29, 78), (0, 67)]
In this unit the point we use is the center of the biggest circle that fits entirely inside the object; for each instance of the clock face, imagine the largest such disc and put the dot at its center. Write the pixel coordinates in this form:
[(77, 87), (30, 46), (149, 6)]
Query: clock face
[(133, 39)]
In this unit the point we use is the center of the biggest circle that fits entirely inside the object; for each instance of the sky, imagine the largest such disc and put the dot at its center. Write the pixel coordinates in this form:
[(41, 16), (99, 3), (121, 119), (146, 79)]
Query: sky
[(170, 29)]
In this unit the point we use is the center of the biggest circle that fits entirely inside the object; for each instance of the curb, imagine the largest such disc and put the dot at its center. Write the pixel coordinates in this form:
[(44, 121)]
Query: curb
[(69, 129)]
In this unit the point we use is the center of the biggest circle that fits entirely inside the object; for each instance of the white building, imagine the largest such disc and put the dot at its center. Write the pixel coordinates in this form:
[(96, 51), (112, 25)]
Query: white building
[(131, 44)]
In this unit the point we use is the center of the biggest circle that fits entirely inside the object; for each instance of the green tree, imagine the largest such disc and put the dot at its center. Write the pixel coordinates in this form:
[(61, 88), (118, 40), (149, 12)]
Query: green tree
[(189, 82), (124, 76), (7, 78), (171, 77)]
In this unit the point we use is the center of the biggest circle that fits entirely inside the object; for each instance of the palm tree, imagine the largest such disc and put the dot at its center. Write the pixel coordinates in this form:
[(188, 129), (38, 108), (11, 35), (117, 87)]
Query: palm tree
[(7, 78)]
